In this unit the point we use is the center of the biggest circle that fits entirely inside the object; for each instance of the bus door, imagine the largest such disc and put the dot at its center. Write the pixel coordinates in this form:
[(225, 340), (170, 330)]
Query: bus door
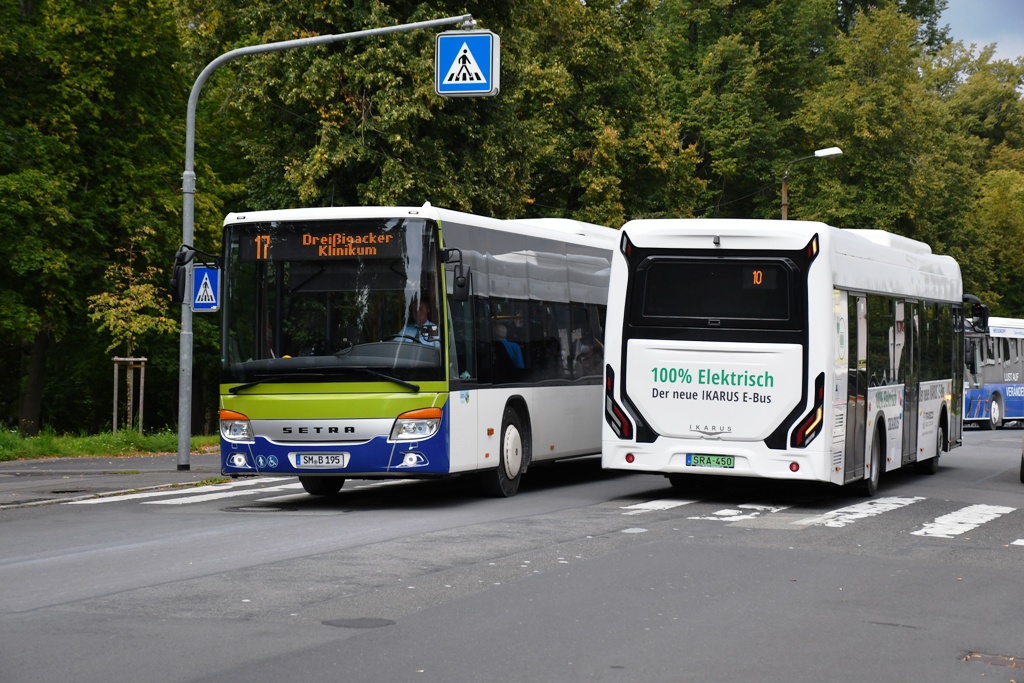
[(907, 313), (857, 387)]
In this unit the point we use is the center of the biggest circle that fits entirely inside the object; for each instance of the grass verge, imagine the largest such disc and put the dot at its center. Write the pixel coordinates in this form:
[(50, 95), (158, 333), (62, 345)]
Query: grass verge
[(51, 445)]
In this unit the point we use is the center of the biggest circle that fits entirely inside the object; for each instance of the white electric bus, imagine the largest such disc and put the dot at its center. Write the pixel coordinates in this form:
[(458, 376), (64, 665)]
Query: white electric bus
[(780, 349), (409, 342)]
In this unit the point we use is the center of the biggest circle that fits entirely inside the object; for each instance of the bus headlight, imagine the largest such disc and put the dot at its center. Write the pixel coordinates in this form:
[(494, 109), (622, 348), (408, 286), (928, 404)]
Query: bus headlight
[(416, 425), (235, 427)]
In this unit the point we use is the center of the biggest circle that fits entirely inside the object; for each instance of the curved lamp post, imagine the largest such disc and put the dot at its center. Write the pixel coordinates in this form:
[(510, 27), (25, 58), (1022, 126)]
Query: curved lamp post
[(818, 154)]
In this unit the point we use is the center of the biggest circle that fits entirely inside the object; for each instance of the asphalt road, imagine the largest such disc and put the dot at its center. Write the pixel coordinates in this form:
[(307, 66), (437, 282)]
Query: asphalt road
[(585, 575)]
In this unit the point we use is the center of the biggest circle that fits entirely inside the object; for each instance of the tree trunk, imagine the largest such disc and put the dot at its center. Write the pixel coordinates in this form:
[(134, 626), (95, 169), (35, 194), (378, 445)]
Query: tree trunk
[(32, 392)]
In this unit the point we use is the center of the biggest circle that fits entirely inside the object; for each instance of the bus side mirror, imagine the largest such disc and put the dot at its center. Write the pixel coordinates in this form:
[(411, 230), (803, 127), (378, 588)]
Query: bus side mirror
[(461, 276), (178, 273)]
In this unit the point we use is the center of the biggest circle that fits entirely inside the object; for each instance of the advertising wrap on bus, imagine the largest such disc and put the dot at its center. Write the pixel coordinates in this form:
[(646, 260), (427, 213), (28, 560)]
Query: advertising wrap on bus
[(683, 387)]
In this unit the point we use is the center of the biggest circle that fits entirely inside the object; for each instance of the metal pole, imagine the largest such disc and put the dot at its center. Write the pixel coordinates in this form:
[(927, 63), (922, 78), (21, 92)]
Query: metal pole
[(785, 194), (116, 378), (188, 189)]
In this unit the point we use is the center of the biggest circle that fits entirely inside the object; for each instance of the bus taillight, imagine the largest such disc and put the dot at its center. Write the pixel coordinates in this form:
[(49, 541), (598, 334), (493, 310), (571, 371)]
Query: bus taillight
[(810, 425), (613, 414)]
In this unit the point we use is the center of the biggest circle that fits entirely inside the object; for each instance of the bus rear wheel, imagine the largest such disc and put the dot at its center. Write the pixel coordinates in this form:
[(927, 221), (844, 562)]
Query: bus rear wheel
[(931, 465), (322, 486), (995, 413), (503, 481), (869, 485)]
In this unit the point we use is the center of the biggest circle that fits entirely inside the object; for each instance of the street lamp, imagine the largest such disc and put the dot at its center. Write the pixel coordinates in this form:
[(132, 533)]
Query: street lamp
[(818, 154)]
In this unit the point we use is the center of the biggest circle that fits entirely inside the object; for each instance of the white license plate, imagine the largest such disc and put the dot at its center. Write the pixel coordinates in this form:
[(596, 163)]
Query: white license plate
[(321, 460)]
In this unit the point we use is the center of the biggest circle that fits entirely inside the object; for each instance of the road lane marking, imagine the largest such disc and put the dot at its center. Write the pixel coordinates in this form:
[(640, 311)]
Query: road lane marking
[(220, 495), (163, 493), (851, 513), (962, 521), (730, 515), (654, 505)]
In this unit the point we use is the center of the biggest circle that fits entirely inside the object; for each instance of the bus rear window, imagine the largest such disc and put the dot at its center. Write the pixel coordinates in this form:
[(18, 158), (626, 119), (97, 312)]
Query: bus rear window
[(710, 292)]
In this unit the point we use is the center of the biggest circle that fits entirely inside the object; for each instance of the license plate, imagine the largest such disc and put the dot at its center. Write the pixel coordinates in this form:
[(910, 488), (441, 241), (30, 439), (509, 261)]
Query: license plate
[(321, 459), (726, 461)]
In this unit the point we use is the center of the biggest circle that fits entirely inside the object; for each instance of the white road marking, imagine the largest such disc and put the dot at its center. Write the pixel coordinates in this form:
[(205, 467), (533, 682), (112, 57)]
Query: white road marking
[(163, 493), (962, 521), (654, 505), (188, 500), (729, 515), (851, 513)]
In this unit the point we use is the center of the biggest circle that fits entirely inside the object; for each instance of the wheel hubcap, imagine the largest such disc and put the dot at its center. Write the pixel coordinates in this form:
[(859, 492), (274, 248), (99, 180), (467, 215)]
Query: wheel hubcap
[(512, 452)]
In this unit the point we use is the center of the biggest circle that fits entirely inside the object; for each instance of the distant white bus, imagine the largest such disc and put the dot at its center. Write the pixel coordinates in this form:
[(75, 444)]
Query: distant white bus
[(780, 349)]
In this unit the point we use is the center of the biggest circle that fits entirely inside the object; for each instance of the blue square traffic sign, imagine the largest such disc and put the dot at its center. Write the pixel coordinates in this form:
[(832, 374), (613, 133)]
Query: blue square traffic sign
[(467, 64), (205, 289)]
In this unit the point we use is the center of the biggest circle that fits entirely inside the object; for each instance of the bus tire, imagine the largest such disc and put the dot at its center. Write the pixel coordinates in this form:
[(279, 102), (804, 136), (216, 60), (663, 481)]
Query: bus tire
[(514, 453), (931, 465), (322, 486), (869, 484), (1022, 468), (995, 413), (681, 481)]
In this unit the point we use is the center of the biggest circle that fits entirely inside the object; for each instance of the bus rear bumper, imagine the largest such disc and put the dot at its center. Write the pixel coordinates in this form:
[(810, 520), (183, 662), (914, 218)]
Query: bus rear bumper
[(738, 461)]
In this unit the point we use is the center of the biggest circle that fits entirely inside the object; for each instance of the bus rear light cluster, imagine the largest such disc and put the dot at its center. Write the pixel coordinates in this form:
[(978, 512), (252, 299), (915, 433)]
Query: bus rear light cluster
[(810, 425), (812, 249), (613, 414)]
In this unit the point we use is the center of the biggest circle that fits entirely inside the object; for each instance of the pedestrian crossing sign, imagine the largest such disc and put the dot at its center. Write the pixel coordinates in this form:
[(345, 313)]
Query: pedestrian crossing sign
[(205, 289), (467, 64)]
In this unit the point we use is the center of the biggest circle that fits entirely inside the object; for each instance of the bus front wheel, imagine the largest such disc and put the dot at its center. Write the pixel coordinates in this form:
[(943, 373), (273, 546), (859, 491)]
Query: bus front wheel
[(322, 486), (503, 481)]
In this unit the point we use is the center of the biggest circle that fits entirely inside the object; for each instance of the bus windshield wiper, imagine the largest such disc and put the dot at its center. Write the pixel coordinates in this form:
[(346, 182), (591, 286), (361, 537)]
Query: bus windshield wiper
[(268, 379), (322, 377), (396, 380)]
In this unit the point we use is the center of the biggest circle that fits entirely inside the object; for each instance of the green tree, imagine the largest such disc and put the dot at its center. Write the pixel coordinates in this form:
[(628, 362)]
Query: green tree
[(359, 123), (133, 304), (906, 165), (737, 72), (91, 103)]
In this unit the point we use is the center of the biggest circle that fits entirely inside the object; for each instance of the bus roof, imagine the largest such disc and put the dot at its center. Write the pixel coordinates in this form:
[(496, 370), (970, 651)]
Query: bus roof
[(1006, 327), (854, 254), (562, 229)]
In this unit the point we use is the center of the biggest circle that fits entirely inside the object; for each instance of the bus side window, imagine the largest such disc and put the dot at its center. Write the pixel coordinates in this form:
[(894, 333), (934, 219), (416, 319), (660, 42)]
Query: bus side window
[(464, 347), (880, 342)]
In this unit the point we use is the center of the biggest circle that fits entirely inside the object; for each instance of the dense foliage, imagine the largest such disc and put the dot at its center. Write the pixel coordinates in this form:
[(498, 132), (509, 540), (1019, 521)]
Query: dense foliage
[(609, 111)]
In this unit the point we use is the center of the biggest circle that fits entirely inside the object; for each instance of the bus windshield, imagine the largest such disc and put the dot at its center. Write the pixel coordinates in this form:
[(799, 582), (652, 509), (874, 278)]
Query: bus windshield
[(337, 301)]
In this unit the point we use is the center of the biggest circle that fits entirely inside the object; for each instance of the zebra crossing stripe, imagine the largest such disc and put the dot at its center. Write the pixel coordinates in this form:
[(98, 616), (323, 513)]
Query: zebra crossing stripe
[(654, 505), (188, 500), (851, 513), (164, 493), (962, 521)]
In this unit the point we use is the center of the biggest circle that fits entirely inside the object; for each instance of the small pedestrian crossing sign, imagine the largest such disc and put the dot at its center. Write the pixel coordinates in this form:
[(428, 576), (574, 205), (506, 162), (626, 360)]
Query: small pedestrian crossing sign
[(467, 64), (205, 289)]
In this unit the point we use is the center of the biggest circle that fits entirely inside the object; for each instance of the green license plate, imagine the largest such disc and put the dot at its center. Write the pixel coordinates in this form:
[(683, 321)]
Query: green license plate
[(726, 461)]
